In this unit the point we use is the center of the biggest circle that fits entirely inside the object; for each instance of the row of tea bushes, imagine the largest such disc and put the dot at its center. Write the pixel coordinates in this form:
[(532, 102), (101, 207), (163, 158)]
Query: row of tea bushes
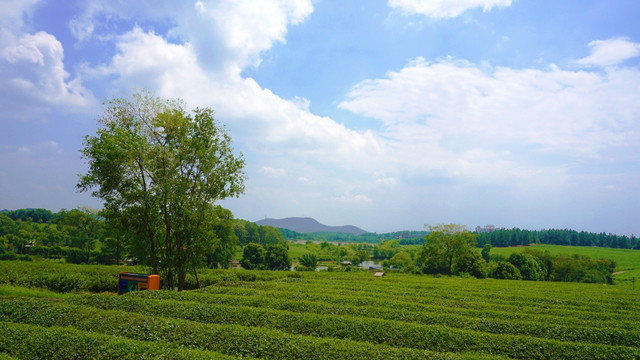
[(227, 339), (391, 333), (23, 341), (522, 311), (565, 332)]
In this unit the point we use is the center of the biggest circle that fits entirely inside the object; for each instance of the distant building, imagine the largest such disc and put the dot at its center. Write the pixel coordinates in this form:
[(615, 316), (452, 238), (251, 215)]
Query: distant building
[(485, 229)]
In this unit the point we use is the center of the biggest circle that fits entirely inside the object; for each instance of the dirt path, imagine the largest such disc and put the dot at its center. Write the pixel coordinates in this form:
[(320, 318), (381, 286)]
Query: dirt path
[(619, 272)]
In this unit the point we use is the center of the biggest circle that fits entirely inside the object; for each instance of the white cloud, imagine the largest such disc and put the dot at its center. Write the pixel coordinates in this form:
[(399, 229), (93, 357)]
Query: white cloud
[(448, 127), (357, 199), (439, 9), (388, 182), (453, 120), (610, 52), (250, 27), (259, 117), (225, 34), (32, 73), (13, 14), (275, 172), (34, 67)]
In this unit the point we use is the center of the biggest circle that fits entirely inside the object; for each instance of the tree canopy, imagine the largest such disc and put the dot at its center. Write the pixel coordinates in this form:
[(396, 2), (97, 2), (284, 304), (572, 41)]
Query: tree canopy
[(444, 246), (159, 169)]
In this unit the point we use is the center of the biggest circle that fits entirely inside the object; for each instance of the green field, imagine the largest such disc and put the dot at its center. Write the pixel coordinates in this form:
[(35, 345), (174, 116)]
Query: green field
[(627, 260), (318, 315)]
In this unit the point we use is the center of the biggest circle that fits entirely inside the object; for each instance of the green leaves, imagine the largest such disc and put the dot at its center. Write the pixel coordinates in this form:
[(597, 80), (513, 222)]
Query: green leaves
[(159, 170)]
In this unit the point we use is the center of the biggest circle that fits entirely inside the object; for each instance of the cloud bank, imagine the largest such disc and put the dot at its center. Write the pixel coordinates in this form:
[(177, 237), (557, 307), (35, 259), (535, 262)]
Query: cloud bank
[(441, 9)]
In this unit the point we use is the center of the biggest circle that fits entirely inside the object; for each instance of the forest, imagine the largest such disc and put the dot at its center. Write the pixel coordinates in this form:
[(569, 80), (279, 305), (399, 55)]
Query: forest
[(518, 237), (82, 236)]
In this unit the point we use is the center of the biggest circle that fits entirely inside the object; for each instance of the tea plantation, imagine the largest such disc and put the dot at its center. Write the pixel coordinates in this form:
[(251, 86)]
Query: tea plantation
[(327, 315)]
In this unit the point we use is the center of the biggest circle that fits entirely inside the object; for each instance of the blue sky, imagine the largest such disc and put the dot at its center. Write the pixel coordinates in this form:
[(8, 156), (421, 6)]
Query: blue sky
[(387, 115)]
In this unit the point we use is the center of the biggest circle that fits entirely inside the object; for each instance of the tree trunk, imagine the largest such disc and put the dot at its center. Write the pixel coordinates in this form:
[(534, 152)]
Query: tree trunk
[(195, 273)]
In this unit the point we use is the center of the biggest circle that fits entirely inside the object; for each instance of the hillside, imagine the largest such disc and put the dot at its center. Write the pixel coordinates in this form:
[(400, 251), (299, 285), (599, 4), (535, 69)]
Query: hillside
[(309, 225)]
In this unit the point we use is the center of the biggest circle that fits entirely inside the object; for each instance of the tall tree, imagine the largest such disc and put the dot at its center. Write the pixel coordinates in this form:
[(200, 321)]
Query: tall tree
[(252, 256), (444, 245), (277, 257), (159, 170)]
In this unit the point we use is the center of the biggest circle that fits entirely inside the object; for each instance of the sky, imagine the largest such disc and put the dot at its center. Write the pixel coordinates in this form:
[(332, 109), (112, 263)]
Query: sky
[(386, 115)]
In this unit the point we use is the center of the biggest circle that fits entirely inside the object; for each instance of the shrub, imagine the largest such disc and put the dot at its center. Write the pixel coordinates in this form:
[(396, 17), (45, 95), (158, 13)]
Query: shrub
[(504, 270)]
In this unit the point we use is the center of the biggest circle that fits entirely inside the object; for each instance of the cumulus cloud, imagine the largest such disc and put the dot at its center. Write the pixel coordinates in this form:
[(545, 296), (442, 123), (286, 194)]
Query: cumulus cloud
[(610, 52), (261, 118), (34, 67), (453, 119), (442, 122), (14, 13), (32, 72), (439, 9)]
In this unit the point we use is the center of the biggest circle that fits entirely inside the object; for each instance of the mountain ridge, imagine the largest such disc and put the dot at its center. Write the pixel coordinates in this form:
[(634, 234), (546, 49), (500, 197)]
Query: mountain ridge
[(309, 225)]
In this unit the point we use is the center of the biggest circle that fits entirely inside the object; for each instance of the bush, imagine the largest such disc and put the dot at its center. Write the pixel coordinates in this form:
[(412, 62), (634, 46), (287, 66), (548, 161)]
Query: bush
[(504, 270), (76, 256)]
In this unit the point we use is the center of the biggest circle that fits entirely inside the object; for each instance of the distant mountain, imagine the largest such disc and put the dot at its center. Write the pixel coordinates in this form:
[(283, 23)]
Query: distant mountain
[(309, 225)]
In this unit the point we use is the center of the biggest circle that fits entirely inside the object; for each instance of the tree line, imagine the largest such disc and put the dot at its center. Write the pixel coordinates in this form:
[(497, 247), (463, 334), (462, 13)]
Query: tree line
[(83, 236), (404, 237), (451, 250), (517, 237)]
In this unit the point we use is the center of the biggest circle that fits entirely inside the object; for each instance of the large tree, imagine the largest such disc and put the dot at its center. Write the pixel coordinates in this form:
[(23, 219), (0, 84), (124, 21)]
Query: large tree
[(445, 245), (159, 169)]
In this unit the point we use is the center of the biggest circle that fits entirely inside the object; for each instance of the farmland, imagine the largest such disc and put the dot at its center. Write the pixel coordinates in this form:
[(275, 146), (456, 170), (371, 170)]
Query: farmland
[(327, 315)]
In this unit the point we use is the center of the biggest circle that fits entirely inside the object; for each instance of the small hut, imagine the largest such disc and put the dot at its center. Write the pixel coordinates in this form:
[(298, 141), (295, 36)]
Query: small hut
[(379, 274)]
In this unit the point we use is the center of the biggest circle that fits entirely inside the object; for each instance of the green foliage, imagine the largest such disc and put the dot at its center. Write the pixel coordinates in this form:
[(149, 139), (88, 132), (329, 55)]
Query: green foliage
[(31, 215), (225, 239), (234, 340), (401, 260), (37, 342), (158, 169), (270, 235), (486, 252), (386, 249), (309, 261), (472, 263), (402, 237), (528, 265), (277, 315), (277, 258), (253, 256), (535, 263), (504, 270), (444, 247), (518, 237)]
